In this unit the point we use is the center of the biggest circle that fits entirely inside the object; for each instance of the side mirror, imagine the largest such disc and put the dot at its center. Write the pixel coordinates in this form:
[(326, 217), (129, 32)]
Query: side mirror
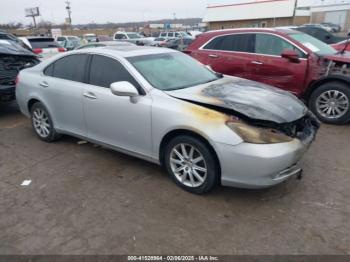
[(123, 88), (291, 55)]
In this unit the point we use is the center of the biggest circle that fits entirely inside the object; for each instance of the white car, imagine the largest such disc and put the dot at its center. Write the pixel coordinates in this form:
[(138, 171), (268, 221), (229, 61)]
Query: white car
[(132, 37), (45, 47), (175, 34), (68, 42)]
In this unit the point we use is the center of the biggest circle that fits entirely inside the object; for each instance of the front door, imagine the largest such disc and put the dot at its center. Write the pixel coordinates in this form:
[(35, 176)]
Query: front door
[(275, 70), (116, 120)]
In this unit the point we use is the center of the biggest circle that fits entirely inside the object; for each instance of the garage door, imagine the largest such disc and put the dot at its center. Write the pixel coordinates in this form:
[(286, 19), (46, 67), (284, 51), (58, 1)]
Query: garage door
[(336, 17)]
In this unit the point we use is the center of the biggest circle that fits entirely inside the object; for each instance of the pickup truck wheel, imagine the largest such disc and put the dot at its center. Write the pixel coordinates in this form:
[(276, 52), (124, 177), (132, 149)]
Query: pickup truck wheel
[(42, 123), (331, 103)]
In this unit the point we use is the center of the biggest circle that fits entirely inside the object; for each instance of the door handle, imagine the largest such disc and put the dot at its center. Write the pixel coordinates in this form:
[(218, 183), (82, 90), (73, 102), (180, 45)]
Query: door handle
[(213, 56), (44, 84), (90, 95), (257, 63)]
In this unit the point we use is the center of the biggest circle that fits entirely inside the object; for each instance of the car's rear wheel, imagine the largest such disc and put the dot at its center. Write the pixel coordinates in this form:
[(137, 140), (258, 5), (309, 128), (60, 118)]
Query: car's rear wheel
[(191, 164), (42, 123), (331, 103)]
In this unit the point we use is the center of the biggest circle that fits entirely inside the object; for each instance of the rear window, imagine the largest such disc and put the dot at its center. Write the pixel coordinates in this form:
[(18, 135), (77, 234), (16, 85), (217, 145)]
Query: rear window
[(43, 43), (237, 42), (71, 67)]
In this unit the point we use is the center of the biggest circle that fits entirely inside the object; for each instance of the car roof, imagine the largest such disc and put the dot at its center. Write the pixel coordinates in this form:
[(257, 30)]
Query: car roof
[(39, 37), (249, 30), (127, 51)]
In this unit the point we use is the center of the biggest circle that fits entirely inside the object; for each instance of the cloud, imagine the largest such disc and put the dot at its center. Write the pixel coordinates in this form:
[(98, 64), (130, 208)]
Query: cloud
[(101, 11)]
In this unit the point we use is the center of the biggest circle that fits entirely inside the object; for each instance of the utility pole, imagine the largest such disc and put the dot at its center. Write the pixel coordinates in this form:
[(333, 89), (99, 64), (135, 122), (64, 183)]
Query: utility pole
[(69, 11), (295, 11)]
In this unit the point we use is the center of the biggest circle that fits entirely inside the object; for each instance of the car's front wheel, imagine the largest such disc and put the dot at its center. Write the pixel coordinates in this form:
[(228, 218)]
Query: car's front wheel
[(331, 103), (191, 164), (42, 123)]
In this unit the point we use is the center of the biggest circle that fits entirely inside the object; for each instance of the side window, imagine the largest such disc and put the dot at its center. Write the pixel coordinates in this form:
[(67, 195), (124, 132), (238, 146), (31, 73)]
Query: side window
[(177, 35), (71, 67), (104, 71), (49, 70), (273, 45), (120, 36), (236, 42), (170, 34), (163, 34)]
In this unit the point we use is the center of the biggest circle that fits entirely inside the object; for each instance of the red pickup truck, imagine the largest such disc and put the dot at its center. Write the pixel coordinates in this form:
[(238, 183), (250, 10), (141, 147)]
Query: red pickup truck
[(284, 58)]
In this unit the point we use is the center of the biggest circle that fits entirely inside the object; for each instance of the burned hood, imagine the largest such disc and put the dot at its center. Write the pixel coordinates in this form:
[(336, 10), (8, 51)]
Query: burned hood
[(248, 98), (8, 47)]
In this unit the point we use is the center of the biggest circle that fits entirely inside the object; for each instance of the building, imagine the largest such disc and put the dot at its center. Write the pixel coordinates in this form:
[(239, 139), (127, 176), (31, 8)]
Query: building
[(262, 13), (336, 13)]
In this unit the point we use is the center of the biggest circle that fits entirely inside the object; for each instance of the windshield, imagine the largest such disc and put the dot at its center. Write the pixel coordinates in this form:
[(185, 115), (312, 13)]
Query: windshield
[(134, 36), (172, 71), (313, 44)]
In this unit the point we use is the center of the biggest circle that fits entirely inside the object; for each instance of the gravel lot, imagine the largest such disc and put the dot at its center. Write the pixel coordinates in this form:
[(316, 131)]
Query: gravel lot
[(85, 199)]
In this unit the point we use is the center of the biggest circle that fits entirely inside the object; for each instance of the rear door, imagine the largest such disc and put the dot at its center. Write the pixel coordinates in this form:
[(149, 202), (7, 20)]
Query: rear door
[(62, 85), (230, 54), (112, 119), (275, 70)]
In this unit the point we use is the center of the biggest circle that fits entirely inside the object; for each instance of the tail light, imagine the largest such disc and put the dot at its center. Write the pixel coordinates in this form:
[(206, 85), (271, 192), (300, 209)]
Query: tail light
[(37, 51), (61, 49)]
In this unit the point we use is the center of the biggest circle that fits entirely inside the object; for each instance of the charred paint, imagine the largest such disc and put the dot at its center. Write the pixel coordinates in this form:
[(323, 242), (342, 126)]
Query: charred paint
[(251, 99), (204, 114)]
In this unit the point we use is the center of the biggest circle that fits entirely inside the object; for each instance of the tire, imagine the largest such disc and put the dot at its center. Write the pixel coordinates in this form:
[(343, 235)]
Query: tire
[(331, 95), (188, 177), (42, 123)]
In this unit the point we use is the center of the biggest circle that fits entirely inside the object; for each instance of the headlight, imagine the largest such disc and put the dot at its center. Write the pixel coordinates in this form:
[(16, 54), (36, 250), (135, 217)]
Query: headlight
[(256, 135)]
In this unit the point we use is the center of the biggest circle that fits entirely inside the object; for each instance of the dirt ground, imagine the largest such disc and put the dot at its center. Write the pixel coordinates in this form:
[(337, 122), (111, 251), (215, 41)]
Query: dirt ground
[(85, 199)]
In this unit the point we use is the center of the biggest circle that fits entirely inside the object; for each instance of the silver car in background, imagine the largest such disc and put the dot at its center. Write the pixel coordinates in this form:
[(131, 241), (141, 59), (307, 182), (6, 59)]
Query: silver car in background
[(163, 106)]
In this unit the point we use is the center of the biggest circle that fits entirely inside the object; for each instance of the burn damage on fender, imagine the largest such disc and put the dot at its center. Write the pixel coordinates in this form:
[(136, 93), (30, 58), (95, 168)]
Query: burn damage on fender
[(256, 104)]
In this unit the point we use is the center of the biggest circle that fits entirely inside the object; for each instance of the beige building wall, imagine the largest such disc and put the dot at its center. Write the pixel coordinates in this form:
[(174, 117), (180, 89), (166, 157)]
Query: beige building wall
[(270, 22), (319, 17)]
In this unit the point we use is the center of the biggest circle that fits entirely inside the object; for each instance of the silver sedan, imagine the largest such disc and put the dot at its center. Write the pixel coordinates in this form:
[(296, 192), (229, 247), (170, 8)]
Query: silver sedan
[(163, 106)]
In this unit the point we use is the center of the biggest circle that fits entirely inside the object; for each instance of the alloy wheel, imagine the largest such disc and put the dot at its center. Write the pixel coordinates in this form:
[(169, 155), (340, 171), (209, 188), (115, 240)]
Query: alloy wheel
[(41, 123), (188, 165), (332, 104)]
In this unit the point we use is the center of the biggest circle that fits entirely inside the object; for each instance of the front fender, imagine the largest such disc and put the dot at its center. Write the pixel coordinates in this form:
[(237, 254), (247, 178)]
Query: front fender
[(327, 79)]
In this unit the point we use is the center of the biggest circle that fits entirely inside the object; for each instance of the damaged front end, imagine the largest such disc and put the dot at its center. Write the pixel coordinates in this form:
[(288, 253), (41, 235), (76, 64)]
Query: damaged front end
[(267, 132), (338, 64), (258, 113), (13, 58), (9, 69)]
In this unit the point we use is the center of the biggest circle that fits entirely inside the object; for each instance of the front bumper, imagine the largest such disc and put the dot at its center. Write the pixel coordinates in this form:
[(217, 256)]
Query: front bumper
[(263, 165), (7, 92), (258, 166)]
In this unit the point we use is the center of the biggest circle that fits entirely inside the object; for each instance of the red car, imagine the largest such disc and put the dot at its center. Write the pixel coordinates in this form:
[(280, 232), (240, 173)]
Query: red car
[(284, 58), (341, 46)]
